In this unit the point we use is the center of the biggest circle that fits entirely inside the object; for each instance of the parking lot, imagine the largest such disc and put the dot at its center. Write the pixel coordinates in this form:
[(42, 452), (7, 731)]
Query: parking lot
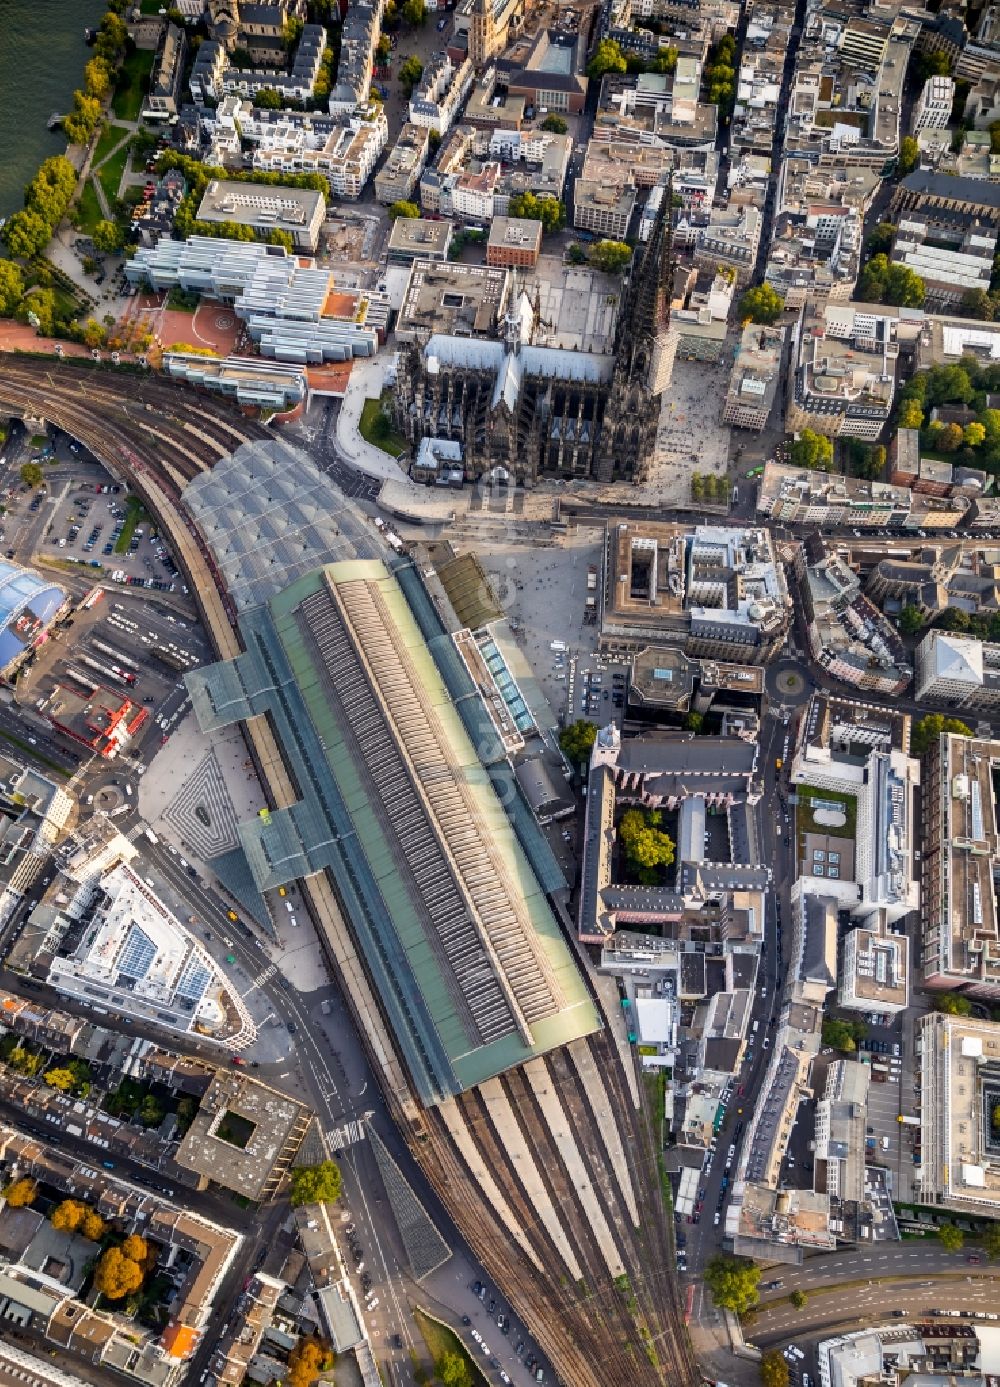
[(882, 1126), (100, 526)]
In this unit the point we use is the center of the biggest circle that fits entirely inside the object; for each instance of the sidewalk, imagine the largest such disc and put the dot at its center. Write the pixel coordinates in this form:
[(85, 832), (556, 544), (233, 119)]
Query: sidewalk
[(365, 384)]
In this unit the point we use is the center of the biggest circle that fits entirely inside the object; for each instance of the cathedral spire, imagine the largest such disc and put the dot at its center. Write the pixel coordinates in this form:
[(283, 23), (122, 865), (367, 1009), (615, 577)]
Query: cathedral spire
[(645, 309)]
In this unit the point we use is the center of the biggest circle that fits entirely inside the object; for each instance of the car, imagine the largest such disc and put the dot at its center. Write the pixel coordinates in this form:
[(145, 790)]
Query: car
[(974, 1258), (237, 1059), (290, 1027), (717, 1219)]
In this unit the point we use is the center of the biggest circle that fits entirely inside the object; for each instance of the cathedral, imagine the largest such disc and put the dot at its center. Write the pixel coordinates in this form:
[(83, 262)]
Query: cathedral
[(521, 411)]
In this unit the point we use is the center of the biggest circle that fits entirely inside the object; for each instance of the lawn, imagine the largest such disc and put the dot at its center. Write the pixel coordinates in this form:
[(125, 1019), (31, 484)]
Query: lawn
[(111, 173), (132, 84), (440, 1340), (805, 821), (133, 514), (151, 6), (375, 432), (89, 209), (111, 138)]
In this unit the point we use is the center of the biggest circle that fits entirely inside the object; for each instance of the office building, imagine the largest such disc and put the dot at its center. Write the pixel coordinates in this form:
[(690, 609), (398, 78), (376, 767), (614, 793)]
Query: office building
[(961, 858), (515, 243), (297, 211), (755, 379), (957, 671)]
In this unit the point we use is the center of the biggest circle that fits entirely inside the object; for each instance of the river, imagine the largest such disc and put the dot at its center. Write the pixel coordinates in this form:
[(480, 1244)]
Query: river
[(42, 57)]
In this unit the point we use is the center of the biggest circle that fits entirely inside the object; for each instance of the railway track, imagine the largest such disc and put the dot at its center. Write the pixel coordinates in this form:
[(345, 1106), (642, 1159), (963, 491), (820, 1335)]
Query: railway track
[(599, 1331)]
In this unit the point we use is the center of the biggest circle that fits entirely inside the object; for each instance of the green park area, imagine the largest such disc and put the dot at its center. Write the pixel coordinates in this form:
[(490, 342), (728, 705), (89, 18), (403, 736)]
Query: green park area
[(377, 428), (89, 208), (444, 1348), (132, 84)]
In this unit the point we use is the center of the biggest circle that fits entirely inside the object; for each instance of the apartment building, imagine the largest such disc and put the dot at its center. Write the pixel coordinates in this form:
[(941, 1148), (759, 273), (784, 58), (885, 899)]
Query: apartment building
[(299, 211), (791, 495), (730, 240), (164, 97), (438, 98), (515, 243), (848, 635), (933, 108), (398, 177), (815, 258), (344, 148)]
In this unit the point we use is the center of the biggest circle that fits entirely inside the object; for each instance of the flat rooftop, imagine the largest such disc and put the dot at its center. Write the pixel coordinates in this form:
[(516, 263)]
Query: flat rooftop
[(452, 299), (244, 1134), (260, 205), (419, 236)]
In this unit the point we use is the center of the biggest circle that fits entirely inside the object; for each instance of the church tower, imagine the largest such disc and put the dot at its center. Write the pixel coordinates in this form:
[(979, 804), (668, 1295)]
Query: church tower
[(645, 348), (224, 21)]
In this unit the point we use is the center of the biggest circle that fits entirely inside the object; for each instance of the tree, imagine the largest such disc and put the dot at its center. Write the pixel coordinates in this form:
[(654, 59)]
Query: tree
[(116, 1275), (608, 57), (945, 385), (11, 288), (577, 741), (316, 1184), (880, 241), (547, 210), (292, 31), (883, 282), (383, 49), (93, 1226), (991, 1240), (951, 1237), (774, 1369), (928, 730), (306, 1361), (839, 1035), (151, 1111), (762, 304), (27, 234), (909, 156), (976, 303), (612, 257), (107, 237), (555, 123), (68, 1216), (403, 209), (20, 1193), (936, 64), (453, 1370), (911, 620), (799, 1299), (280, 237), (32, 474), (973, 435), (644, 844), (97, 78), (945, 438), (415, 13), (268, 98), (61, 1079), (411, 70), (910, 416), (576, 255), (135, 1248), (813, 450), (953, 1004), (82, 121), (694, 722), (733, 1282)]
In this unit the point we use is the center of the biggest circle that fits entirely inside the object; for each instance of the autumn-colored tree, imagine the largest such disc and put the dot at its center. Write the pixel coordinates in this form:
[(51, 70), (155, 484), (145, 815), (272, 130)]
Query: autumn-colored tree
[(116, 1275), (20, 1192), (93, 1226), (306, 1361), (774, 1369), (68, 1216), (136, 1249), (61, 1079)]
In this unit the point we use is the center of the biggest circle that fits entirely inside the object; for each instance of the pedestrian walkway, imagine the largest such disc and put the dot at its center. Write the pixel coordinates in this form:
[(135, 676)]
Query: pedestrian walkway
[(366, 383)]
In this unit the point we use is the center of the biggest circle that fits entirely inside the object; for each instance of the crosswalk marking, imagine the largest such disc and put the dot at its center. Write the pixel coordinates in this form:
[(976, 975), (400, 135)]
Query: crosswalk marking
[(347, 1135)]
